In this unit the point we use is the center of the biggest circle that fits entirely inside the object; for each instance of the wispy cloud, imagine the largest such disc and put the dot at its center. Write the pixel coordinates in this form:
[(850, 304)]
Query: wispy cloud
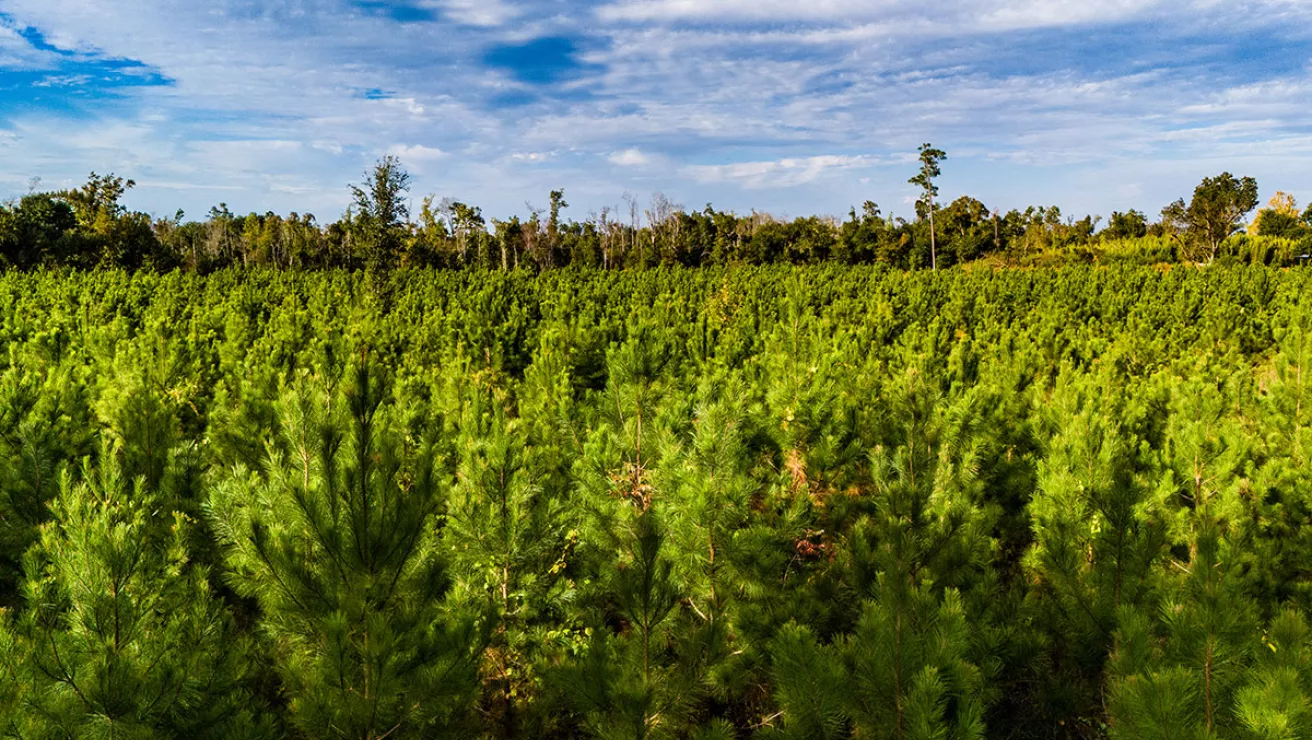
[(417, 152), (479, 12), (1006, 14), (534, 157), (780, 173)]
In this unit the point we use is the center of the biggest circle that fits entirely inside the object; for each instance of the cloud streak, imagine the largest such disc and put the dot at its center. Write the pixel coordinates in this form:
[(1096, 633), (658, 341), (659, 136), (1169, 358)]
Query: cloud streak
[(954, 15), (781, 173)]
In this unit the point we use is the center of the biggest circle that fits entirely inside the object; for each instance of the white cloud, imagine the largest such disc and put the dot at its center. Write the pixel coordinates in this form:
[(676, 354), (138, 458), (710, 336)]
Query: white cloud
[(187, 185), (416, 152), (417, 158), (331, 147), (478, 12), (630, 158), (9, 38), (956, 14), (747, 10), (780, 173), (17, 53), (1019, 14), (409, 105), (532, 157), (63, 81), (294, 187)]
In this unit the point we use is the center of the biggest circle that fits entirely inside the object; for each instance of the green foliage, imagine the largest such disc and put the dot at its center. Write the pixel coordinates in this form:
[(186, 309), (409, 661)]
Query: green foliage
[(641, 681), (381, 213), (337, 541), (37, 232), (91, 227), (1129, 225), (1094, 550), (903, 673), (122, 636), (751, 501), (1212, 215), (929, 169), (1275, 700), (508, 548), (44, 427)]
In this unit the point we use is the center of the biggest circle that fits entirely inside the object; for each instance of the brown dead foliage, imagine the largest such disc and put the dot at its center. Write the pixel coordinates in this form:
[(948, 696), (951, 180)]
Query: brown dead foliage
[(631, 484)]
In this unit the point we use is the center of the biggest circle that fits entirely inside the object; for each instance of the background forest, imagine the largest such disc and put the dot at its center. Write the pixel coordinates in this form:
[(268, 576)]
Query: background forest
[(773, 502), (91, 227)]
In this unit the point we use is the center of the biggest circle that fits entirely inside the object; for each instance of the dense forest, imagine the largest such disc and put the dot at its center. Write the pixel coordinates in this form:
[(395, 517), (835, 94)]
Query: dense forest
[(821, 501), (89, 226)]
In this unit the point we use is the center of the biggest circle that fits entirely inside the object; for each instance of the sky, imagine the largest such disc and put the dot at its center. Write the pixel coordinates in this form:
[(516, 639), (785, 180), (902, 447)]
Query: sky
[(792, 107)]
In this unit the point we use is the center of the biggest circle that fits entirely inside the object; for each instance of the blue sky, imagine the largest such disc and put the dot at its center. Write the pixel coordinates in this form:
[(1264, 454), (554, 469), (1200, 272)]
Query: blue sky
[(787, 106)]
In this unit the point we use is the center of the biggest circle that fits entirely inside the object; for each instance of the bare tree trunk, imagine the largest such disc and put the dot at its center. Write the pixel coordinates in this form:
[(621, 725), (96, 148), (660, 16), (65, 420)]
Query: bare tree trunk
[(933, 245)]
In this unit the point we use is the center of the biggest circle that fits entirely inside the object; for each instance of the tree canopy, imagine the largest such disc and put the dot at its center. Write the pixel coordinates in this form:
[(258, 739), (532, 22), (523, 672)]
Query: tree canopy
[(91, 227), (1212, 215)]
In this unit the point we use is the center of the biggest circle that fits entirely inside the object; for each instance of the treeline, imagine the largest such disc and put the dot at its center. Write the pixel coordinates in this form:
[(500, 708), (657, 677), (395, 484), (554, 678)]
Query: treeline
[(718, 503), (90, 227)]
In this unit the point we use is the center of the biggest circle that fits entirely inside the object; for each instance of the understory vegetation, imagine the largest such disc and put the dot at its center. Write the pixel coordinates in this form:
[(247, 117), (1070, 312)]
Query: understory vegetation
[(752, 502)]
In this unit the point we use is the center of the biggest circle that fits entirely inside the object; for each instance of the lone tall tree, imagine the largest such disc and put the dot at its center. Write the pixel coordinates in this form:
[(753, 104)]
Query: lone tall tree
[(1214, 213), (382, 211), (929, 169)]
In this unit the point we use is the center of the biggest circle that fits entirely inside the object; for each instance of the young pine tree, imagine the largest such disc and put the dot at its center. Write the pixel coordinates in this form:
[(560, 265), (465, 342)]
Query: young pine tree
[(145, 391), (707, 473), (1175, 670), (710, 489), (121, 636), (1275, 701), (909, 662), (1093, 549), (911, 652), (338, 542), (1177, 675), (1284, 473), (640, 672), (44, 426), (634, 684), (508, 543)]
